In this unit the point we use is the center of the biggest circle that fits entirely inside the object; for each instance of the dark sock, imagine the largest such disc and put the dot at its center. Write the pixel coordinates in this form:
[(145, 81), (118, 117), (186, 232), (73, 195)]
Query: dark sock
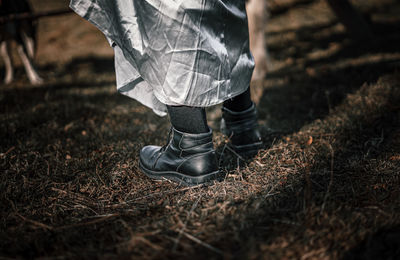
[(191, 120), (240, 102)]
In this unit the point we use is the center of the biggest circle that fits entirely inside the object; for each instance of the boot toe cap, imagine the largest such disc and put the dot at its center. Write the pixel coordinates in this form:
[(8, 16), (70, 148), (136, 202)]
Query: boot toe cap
[(148, 155)]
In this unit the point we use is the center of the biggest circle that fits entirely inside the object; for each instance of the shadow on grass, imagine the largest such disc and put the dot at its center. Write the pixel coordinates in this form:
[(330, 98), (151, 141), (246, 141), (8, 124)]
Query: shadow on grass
[(383, 244)]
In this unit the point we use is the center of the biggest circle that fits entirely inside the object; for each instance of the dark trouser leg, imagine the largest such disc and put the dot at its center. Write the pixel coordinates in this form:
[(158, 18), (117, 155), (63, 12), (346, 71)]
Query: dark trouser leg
[(240, 102), (186, 119)]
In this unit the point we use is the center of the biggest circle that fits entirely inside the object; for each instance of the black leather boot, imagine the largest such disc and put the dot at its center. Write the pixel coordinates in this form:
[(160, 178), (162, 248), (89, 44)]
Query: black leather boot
[(187, 158), (242, 130)]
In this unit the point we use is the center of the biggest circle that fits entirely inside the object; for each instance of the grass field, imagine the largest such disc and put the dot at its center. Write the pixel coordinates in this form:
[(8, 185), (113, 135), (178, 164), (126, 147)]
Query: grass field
[(325, 186)]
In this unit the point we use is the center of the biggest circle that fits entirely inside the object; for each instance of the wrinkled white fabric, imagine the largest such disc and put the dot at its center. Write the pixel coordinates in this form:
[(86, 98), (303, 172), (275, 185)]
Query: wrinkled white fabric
[(175, 52)]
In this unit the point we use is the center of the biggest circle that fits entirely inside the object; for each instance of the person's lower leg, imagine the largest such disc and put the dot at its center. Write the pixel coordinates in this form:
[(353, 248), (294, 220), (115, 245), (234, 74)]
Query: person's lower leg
[(186, 119), (240, 102)]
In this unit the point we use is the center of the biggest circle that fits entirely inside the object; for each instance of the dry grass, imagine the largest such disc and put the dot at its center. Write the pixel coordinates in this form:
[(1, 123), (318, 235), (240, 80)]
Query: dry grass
[(325, 186)]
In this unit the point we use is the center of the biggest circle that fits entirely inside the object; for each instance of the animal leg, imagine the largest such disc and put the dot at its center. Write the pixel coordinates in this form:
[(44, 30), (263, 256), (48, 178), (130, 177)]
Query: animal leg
[(33, 77), (5, 53), (29, 45)]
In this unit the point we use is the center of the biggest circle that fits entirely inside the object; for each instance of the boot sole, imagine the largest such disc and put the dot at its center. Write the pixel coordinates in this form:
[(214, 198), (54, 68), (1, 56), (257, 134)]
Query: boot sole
[(181, 178)]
